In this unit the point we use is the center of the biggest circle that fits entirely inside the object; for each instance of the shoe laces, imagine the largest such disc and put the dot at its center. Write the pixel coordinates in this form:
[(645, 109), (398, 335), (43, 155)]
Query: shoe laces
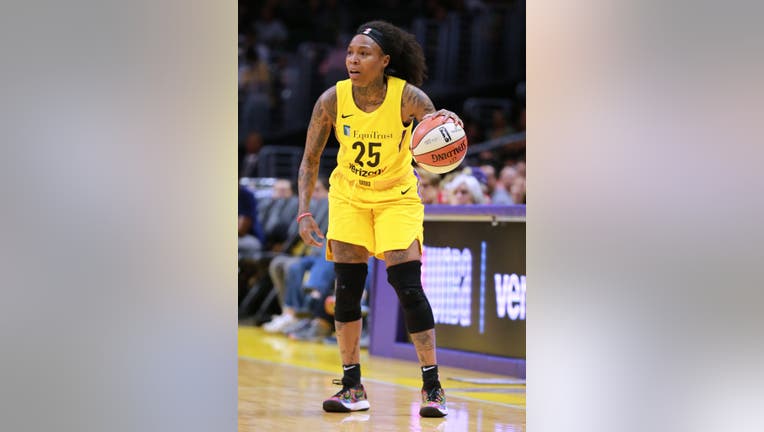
[(434, 394), (345, 388)]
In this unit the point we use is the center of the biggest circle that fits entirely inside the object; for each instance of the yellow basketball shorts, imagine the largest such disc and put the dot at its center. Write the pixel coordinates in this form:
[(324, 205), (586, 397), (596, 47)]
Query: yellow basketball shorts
[(379, 220)]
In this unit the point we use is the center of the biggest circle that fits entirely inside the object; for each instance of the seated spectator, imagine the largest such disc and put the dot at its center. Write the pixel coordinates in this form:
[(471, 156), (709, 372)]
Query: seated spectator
[(482, 179), (319, 286), (321, 324), (520, 166), (517, 190), (251, 237), (252, 146), (512, 179), (464, 189), (282, 208), (282, 242), (501, 193), (496, 190), (320, 278), (490, 177), (287, 271), (282, 188)]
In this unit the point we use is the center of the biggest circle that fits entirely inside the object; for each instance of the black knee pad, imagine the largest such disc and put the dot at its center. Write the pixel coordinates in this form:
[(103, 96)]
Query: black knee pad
[(348, 289), (406, 278)]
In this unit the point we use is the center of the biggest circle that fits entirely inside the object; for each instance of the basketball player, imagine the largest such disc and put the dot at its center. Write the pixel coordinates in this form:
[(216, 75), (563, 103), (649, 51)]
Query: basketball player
[(374, 208)]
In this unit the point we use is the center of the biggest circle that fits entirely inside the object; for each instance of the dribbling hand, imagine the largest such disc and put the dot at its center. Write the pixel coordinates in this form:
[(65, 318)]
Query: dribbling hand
[(446, 113), (308, 227)]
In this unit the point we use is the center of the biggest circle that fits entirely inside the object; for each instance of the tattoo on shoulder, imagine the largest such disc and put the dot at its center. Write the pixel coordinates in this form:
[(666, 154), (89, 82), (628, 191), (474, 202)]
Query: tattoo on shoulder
[(416, 102), (321, 122), (329, 102), (319, 128)]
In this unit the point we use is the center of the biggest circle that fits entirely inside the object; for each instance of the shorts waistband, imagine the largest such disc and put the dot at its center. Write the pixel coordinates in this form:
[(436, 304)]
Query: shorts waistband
[(372, 184)]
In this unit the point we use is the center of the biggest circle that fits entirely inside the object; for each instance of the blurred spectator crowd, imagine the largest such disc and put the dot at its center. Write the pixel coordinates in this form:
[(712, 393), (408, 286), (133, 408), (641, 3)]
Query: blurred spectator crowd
[(475, 185), (290, 51), (284, 284)]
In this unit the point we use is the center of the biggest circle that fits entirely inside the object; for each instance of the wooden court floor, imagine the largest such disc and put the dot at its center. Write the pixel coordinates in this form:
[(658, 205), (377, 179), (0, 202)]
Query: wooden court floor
[(282, 384)]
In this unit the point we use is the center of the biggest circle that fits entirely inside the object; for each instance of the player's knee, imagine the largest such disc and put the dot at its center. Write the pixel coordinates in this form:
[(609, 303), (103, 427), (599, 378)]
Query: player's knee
[(348, 291), (406, 278)]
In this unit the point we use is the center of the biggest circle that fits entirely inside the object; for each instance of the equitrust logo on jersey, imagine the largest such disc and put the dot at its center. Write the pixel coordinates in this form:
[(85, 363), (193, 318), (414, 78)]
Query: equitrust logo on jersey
[(346, 130), (364, 135)]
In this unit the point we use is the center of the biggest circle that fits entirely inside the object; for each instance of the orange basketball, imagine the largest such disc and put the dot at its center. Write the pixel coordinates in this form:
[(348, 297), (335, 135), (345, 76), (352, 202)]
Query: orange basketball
[(438, 144)]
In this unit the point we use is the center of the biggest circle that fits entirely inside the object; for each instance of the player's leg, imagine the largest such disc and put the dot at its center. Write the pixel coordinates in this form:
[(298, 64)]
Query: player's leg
[(399, 232), (404, 272), (349, 239), (350, 268)]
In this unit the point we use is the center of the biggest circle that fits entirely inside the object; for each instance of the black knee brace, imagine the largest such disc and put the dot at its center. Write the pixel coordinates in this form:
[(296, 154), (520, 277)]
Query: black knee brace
[(406, 278), (348, 289)]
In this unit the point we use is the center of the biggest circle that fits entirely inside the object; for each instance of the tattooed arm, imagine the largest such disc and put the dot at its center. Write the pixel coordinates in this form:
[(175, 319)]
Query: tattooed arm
[(321, 123), (415, 104)]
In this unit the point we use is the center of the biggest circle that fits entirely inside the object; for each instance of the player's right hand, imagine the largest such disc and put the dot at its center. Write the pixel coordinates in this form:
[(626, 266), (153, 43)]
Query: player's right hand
[(308, 227)]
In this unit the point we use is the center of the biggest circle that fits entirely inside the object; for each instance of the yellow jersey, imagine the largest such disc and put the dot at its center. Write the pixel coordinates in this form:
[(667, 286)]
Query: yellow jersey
[(374, 148)]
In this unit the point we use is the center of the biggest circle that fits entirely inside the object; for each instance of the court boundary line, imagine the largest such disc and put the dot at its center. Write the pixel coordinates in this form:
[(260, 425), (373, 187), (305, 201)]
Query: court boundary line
[(379, 381)]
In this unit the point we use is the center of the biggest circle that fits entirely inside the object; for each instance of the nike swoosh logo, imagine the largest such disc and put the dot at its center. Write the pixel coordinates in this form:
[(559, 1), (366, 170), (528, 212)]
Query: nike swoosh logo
[(346, 115), (347, 368), (425, 369), (404, 192)]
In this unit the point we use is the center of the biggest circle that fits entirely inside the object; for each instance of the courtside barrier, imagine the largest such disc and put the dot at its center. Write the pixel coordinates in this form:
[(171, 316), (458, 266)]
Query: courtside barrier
[(473, 271)]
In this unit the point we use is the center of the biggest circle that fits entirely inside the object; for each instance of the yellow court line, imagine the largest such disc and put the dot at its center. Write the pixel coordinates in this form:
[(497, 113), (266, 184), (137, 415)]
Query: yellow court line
[(256, 344)]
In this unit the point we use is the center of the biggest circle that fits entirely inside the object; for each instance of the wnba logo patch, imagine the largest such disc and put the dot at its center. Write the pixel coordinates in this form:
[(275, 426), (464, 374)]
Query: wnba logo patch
[(446, 135), (346, 130)]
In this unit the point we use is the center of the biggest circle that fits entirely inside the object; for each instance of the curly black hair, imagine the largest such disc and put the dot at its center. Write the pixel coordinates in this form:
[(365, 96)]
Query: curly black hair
[(406, 56)]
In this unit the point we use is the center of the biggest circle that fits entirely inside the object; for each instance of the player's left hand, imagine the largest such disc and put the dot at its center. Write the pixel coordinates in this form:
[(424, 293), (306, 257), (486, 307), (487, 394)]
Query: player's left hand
[(446, 113)]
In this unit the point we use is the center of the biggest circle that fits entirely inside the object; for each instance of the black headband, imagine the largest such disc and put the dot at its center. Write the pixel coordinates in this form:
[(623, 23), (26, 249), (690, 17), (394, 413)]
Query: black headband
[(377, 36)]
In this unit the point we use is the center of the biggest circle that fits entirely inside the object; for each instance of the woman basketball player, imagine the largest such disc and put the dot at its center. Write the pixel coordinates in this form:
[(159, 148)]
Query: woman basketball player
[(374, 207)]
